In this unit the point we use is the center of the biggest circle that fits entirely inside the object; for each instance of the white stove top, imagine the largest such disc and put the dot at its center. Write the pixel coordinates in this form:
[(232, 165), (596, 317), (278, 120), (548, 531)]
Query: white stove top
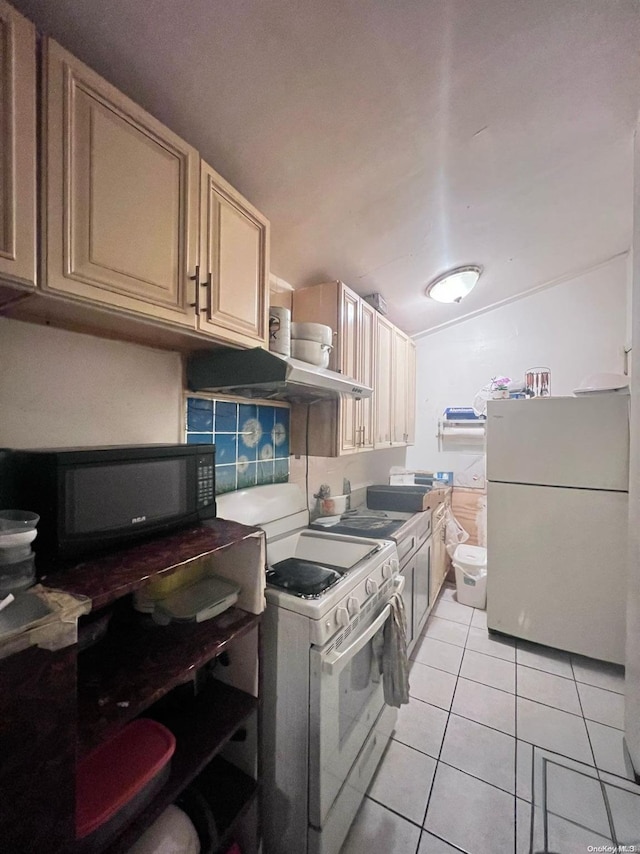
[(370, 564)]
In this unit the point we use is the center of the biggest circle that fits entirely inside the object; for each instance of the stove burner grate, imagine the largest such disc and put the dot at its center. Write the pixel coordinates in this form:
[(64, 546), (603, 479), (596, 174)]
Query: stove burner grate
[(303, 577)]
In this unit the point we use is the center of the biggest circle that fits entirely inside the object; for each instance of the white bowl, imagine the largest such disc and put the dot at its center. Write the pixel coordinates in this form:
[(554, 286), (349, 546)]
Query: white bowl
[(310, 351), (14, 521), (312, 332), (17, 538)]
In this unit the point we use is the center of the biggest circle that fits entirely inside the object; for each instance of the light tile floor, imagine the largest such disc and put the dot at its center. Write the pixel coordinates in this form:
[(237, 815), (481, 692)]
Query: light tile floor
[(505, 747)]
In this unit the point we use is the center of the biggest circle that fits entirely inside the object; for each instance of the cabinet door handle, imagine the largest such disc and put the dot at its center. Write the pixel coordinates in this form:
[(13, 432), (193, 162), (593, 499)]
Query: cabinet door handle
[(208, 286), (196, 279), (199, 285)]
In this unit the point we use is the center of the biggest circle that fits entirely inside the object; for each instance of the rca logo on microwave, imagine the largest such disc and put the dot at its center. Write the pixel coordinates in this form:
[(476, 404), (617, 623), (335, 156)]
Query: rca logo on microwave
[(137, 519)]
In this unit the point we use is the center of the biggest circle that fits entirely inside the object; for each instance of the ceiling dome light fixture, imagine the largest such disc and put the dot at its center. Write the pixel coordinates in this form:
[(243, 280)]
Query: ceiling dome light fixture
[(455, 284)]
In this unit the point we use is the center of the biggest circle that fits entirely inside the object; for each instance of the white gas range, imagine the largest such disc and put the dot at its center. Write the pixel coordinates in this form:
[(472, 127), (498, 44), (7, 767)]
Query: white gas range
[(325, 722)]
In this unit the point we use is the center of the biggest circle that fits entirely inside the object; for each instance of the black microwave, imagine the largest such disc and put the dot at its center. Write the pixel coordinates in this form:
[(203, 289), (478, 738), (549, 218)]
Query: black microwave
[(92, 499)]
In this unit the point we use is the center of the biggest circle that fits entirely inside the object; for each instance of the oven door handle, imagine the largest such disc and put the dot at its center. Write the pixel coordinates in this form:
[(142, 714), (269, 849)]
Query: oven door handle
[(333, 661)]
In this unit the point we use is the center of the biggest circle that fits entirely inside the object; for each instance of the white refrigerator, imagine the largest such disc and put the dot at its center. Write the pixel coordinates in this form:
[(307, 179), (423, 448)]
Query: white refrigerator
[(558, 472)]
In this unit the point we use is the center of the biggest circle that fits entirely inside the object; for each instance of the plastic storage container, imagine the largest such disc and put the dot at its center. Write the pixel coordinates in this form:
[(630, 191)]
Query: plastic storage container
[(119, 778), (470, 564), (197, 603)]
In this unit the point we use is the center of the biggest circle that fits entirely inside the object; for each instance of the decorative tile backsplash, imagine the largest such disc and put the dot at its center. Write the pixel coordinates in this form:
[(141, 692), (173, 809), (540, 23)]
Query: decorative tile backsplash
[(252, 440)]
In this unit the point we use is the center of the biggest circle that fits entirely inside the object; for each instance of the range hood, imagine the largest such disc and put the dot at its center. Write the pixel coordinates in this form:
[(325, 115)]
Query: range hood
[(262, 374)]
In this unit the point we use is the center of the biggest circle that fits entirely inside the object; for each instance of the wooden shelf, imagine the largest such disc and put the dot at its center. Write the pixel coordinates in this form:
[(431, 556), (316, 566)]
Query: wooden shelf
[(113, 575), (135, 665), (201, 730)]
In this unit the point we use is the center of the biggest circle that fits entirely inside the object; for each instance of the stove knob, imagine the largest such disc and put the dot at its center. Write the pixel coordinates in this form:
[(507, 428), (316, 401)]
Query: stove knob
[(342, 617), (371, 586), (395, 566), (387, 570), (353, 605)]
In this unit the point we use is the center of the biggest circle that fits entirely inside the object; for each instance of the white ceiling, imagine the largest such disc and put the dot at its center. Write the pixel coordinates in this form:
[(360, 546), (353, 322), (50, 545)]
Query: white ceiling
[(387, 141)]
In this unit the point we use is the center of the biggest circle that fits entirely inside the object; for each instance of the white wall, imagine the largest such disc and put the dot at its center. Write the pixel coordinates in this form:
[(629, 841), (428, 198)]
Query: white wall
[(360, 469), (575, 328), (60, 388), (632, 704)]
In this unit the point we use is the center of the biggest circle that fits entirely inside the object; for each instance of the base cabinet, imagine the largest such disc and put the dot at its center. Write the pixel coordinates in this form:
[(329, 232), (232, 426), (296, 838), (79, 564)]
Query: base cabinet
[(439, 560), (421, 579), (408, 573)]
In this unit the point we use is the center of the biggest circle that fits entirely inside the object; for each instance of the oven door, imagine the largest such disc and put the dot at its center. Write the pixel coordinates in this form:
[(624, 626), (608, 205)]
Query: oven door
[(346, 697)]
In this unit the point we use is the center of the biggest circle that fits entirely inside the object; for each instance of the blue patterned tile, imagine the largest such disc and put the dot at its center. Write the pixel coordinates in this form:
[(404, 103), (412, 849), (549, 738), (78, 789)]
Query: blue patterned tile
[(226, 417), (226, 448), (199, 415), (281, 471), (252, 441), (195, 438), (225, 479), (265, 471), (249, 432), (247, 475), (246, 412), (281, 433), (265, 447), (266, 417)]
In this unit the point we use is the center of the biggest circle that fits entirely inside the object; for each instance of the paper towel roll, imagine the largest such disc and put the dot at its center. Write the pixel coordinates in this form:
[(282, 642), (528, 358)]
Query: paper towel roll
[(462, 433), (280, 330)]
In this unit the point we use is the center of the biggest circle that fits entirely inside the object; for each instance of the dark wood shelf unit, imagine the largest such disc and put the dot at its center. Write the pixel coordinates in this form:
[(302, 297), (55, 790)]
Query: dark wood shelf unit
[(201, 732), (112, 576), (135, 665), (90, 694)]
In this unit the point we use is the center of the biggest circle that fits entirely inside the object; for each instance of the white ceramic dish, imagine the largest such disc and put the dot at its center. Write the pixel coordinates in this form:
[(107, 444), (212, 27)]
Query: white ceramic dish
[(312, 332), (311, 351)]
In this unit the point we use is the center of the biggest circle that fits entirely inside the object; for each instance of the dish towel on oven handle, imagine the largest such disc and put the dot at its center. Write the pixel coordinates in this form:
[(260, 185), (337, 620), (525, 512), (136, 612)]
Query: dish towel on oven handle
[(395, 662)]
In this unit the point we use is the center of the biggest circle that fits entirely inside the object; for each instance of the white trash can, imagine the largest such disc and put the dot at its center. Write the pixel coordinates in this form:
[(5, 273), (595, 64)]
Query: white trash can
[(470, 564)]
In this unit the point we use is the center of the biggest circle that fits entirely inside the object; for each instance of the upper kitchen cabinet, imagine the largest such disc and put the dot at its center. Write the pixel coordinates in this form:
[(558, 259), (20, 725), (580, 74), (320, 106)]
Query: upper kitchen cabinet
[(383, 393), (121, 198), (345, 427), (17, 148), (394, 397), (411, 392), (234, 264)]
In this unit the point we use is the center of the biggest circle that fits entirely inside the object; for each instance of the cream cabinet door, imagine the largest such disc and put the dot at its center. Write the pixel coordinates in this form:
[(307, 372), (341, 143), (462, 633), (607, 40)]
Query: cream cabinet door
[(349, 365), (411, 392), (234, 264), (17, 147), (121, 198), (382, 395), (365, 416), (399, 385)]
